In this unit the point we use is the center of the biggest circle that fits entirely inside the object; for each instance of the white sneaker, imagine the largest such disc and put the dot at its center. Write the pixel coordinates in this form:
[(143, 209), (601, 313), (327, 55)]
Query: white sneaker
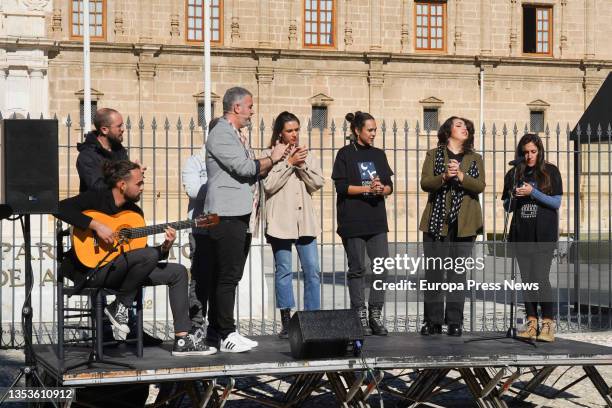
[(246, 341), (232, 344)]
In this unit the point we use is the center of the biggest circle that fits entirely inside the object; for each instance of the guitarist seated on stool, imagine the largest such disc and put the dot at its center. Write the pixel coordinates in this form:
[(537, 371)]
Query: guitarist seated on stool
[(129, 270)]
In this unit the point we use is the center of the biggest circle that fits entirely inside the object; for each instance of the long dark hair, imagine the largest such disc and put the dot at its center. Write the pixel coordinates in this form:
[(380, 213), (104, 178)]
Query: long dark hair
[(279, 125), (445, 131), (541, 175), (357, 121)]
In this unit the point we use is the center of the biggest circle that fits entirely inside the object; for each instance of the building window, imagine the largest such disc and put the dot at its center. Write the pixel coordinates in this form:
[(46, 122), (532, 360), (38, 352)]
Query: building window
[(195, 20), (319, 117), (536, 121), (97, 19), (94, 108), (430, 119), (319, 23), (201, 113), (537, 30), (430, 25)]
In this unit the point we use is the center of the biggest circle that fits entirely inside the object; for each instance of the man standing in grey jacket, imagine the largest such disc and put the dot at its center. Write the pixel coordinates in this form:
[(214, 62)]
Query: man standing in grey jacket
[(233, 173)]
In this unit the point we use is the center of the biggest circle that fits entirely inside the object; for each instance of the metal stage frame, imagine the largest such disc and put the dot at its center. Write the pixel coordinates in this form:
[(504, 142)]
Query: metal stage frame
[(490, 369)]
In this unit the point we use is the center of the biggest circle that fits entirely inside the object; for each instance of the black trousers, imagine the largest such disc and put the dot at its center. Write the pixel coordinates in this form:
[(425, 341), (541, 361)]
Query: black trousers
[(535, 268), (201, 278), (228, 246), (356, 247), (448, 247), (132, 270)]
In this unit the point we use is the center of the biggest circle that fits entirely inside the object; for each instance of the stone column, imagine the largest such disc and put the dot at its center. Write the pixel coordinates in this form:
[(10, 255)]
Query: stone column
[(348, 29), (264, 23), (563, 42), (458, 37), (146, 69), (485, 26), (515, 20), (38, 99), (17, 90), (375, 25), (265, 96), (235, 26), (376, 81), (590, 24), (405, 31), (145, 19), (292, 29)]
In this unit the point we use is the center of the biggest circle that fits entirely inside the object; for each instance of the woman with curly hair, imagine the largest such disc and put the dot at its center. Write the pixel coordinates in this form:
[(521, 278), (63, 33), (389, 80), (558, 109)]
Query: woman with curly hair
[(453, 175)]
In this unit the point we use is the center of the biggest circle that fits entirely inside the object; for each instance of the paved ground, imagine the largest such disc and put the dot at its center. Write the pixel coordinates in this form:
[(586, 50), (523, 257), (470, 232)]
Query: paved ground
[(456, 395)]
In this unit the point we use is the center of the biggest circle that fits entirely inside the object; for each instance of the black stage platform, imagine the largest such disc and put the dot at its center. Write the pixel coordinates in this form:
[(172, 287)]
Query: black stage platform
[(432, 356)]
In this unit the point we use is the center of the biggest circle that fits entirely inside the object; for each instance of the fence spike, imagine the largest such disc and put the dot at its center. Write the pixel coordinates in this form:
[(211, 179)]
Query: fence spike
[(68, 121), (333, 127), (262, 126), (179, 124), (166, 124), (599, 131), (141, 124), (191, 124), (154, 124), (128, 124)]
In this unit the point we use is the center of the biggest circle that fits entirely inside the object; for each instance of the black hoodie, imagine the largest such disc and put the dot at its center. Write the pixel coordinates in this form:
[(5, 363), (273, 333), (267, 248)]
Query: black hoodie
[(89, 162)]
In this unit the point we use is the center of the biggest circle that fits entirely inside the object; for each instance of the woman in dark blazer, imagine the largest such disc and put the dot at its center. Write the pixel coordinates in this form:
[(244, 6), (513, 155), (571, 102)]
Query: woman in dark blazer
[(453, 175)]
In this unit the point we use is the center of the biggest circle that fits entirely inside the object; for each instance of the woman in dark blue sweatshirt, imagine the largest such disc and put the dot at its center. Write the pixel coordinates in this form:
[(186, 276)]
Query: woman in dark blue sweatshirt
[(362, 177)]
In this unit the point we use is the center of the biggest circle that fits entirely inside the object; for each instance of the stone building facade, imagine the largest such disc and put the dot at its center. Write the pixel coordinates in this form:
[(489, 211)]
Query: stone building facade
[(402, 60)]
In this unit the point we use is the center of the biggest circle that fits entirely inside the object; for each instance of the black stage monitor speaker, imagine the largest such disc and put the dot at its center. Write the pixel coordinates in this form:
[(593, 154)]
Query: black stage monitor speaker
[(29, 173), (323, 333)]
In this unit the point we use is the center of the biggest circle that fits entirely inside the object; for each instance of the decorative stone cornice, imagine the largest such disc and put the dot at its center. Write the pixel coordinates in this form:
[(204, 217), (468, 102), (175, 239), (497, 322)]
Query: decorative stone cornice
[(320, 99), (538, 104), (95, 94), (431, 102)]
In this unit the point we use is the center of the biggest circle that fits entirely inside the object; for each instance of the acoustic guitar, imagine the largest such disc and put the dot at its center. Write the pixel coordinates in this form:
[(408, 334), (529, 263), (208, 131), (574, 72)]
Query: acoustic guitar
[(130, 233)]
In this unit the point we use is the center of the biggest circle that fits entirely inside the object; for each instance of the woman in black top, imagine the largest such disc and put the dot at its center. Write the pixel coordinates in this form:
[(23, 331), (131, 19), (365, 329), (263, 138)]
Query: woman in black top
[(362, 178), (453, 175), (535, 224)]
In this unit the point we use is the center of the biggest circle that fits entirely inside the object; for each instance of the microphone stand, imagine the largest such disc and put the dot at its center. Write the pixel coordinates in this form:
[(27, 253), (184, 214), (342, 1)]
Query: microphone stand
[(511, 332)]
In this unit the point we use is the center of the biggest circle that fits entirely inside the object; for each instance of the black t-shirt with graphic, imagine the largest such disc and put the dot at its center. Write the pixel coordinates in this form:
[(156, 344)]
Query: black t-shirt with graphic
[(362, 214), (533, 221)]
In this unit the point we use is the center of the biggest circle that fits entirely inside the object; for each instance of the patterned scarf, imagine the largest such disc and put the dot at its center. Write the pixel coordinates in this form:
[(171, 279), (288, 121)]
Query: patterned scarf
[(438, 212)]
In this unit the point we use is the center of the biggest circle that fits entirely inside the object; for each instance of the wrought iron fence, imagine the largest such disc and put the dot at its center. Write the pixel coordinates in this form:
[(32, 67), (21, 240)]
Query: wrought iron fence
[(582, 274)]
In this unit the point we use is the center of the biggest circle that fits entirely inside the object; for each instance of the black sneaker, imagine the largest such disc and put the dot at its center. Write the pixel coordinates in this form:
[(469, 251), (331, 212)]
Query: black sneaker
[(117, 313), (376, 321), (362, 313), (190, 345)]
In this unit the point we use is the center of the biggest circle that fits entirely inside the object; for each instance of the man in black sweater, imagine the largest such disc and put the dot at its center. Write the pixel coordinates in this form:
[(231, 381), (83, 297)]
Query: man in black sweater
[(104, 143), (134, 269)]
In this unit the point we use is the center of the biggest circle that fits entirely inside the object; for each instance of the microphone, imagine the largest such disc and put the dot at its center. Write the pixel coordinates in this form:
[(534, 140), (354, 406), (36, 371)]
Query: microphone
[(5, 211), (517, 161)]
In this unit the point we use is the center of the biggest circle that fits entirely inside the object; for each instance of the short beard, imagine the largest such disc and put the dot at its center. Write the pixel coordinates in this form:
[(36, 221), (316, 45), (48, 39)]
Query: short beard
[(114, 143)]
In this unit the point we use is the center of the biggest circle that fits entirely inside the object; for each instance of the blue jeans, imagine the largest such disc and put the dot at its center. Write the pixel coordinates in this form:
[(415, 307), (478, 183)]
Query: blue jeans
[(309, 259)]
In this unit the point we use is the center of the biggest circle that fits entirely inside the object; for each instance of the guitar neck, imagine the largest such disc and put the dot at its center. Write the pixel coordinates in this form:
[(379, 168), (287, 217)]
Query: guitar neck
[(159, 228)]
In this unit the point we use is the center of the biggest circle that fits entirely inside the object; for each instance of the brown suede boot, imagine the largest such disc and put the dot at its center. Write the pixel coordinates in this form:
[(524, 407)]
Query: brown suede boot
[(530, 331), (547, 332)]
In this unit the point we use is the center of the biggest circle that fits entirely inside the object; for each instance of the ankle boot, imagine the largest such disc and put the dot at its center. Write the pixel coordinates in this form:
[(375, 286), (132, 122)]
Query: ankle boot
[(362, 312), (376, 321), (285, 317)]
